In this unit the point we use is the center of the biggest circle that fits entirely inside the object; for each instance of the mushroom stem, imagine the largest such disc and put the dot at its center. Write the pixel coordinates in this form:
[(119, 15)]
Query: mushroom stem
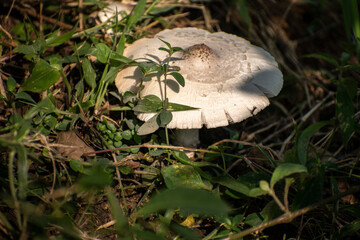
[(187, 137)]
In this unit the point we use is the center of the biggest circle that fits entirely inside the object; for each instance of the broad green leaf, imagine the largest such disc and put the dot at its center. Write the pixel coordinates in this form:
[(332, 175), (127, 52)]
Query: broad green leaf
[(190, 201), (36, 48), (164, 49), (177, 49), (324, 56), (303, 140), (232, 184), (179, 78), (11, 84), (41, 78), (164, 118), (149, 126), (76, 165), (149, 104), (56, 61), (345, 110), (102, 52), (89, 73), (120, 58), (180, 175), (111, 74), (47, 105), (149, 67), (284, 170), (137, 13), (254, 219), (54, 39), (264, 185)]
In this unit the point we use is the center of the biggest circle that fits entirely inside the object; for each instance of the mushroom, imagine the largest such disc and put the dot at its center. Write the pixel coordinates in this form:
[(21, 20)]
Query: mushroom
[(112, 8), (226, 78)]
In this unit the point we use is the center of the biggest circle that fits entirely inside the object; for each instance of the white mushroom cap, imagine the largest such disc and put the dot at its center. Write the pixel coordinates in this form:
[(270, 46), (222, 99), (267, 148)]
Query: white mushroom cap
[(226, 77), (112, 8)]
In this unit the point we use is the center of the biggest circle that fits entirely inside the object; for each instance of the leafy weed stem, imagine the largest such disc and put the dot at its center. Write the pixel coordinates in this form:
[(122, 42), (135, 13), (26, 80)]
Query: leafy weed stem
[(166, 68), (277, 200)]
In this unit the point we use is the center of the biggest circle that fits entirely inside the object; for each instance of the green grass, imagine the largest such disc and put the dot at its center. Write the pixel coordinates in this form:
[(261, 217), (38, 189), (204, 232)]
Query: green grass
[(296, 163)]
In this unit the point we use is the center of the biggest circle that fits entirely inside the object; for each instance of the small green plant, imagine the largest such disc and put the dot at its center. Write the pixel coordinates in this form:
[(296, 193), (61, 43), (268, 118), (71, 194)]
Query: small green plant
[(153, 104)]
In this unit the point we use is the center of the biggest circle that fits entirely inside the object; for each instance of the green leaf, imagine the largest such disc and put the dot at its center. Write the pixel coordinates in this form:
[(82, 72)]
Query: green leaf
[(175, 107), (89, 73), (41, 78), (167, 44), (324, 56), (177, 49), (180, 175), (102, 52), (284, 170), (120, 58), (11, 84), (164, 49), (190, 201), (55, 40), (47, 105), (149, 126), (25, 96), (149, 104), (137, 13), (303, 140), (121, 44), (345, 111), (164, 118), (76, 165), (232, 184), (254, 219), (264, 185), (111, 74), (36, 48), (179, 78)]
